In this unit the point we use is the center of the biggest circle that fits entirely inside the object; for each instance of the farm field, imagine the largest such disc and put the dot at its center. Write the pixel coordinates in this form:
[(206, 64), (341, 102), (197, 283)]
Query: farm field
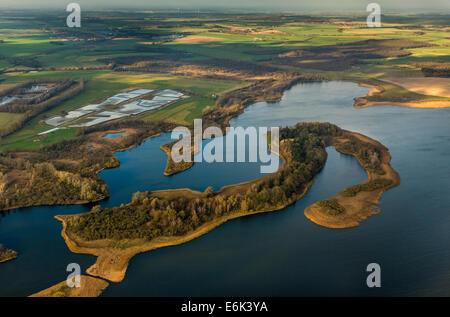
[(99, 86), (424, 85), (208, 56)]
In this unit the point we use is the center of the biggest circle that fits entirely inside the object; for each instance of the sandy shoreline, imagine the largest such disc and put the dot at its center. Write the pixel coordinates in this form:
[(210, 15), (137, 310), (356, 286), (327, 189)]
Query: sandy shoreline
[(426, 104), (364, 203)]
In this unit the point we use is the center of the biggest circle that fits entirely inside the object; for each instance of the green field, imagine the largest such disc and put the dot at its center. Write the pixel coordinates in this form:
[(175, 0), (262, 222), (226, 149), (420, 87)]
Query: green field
[(236, 44), (183, 112), (6, 118), (101, 85)]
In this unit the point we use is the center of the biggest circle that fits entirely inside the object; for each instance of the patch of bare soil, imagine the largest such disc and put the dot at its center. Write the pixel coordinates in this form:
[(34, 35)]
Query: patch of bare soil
[(363, 102), (432, 86), (195, 39)]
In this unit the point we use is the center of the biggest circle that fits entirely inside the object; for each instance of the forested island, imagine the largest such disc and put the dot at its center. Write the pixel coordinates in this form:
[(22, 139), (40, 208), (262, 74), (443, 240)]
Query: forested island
[(169, 217)]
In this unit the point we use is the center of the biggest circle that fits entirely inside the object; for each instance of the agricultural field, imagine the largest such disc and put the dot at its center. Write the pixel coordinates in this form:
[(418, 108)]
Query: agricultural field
[(210, 55), (99, 86)]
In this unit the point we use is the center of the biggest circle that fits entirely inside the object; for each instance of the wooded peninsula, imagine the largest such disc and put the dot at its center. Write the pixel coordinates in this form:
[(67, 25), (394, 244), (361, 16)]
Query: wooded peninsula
[(169, 217)]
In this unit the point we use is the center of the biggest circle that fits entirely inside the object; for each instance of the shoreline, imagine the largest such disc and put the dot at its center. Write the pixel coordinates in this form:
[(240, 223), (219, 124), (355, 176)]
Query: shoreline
[(113, 256), (173, 168)]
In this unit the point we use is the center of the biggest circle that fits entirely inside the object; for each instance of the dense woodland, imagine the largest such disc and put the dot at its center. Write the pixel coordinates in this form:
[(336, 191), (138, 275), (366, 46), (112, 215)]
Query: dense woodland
[(331, 206), (164, 59), (434, 69), (369, 156)]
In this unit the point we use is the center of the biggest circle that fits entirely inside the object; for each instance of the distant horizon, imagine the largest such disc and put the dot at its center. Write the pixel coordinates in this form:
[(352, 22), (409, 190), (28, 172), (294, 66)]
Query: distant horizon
[(328, 6), (206, 10)]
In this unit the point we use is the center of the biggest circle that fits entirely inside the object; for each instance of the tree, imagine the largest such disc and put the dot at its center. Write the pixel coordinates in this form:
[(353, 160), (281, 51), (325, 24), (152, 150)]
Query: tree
[(96, 208), (209, 192)]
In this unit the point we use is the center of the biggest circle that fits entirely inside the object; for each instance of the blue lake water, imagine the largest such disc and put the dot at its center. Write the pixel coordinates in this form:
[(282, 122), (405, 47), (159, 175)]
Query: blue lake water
[(280, 253)]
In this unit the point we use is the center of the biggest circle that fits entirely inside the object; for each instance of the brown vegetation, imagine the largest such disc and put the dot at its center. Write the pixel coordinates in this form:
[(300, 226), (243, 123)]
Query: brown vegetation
[(7, 254), (379, 96), (90, 287), (207, 68), (172, 167)]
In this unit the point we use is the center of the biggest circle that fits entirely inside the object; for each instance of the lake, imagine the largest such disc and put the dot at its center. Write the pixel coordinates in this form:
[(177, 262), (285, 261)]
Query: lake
[(280, 253)]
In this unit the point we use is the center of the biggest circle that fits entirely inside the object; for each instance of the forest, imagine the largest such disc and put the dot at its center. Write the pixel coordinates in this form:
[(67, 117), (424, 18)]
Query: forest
[(434, 69)]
